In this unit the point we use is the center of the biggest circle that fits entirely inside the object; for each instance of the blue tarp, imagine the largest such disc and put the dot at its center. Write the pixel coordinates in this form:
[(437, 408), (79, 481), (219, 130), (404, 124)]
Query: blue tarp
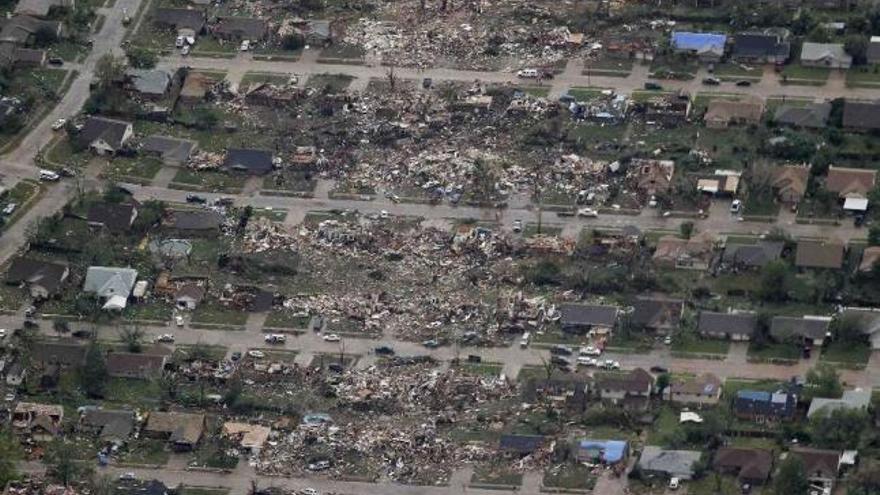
[(698, 42), (608, 451), (754, 395)]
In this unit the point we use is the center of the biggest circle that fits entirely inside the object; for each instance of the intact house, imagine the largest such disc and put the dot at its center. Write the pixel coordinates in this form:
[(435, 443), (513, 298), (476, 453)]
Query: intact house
[(190, 21), (852, 186), (631, 390), (810, 116), (852, 400), (826, 55), (150, 84), (707, 47), (751, 256), (789, 183), (861, 115), (249, 161), (240, 28), (724, 113), (873, 53), (749, 465), (807, 330), (695, 253), (584, 318), (651, 176), (732, 326), (42, 8), (761, 48), (21, 30), (109, 426), (193, 223), (171, 150), (721, 182), (761, 407), (115, 217), (659, 462), (42, 279), (183, 431), (143, 366), (704, 389), (41, 422), (60, 353), (822, 467), (105, 136), (521, 445), (112, 285), (607, 452), (820, 254), (658, 314)]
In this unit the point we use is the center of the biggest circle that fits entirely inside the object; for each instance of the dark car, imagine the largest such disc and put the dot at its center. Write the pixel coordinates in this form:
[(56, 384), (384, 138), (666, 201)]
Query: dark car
[(427, 83), (858, 220), (193, 198), (56, 61), (473, 358), (744, 83), (559, 361), (82, 334), (67, 172), (235, 356), (335, 367), (653, 86), (384, 350), (711, 81), (431, 344), (659, 369), (224, 201), (560, 350)]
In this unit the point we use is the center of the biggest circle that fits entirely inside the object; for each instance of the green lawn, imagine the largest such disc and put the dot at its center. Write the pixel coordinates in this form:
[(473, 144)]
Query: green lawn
[(857, 354), (701, 100), (536, 91), (710, 484), (334, 83), (207, 181), (696, 345), (139, 170), (569, 476), (215, 314), (143, 393), (674, 67), (666, 424), (264, 77), (202, 490), (342, 51), (145, 451), (735, 72), (12, 298), (273, 214), (608, 67), (865, 76), (212, 455), (287, 319), (775, 351), (581, 93), (496, 475), (797, 74)]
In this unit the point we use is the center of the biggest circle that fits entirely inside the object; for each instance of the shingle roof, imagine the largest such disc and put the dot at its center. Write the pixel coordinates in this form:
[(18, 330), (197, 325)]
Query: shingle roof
[(152, 82), (705, 384), (814, 115), (752, 45), (588, 315), (108, 281), (657, 312), (819, 254), (181, 18), (245, 27), (637, 380), (127, 363), (791, 180), (814, 52), (169, 148), (59, 352), (46, 274), (861, 115), (851, 399), (672, 462), (182, 427), (111, 131), (850, 182), (784, 327), (731, 323), (753, 255), (248, 160), (818, 462), (115, 216), (750, 464)]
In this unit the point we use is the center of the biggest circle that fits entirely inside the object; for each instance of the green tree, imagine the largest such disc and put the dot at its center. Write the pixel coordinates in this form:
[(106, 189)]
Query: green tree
[(9, 456), (141, 58), (44, 37), (293, 42), (865, 481), (775, 281), (132, 337), (93, 373), (874, 235), (857, 47), (663, 381), (686, 229), (791, 478), (109, 70), (848, 329), (61, 466), (823, 381), (842, 429)]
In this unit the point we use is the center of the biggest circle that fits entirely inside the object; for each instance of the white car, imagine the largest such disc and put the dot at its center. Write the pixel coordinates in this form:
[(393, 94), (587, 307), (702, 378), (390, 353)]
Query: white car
[(590, 351), (127, 476), (179, 42), (58, 124), (275, 338), (588, 213), (586, 361), (527, 73), (309, 491), (178, 320), (517, 226), (2, 333), (256, 354), (736, 206), (165, 337), (245, 45), (667, 340), (9, 208), (10, 397), (611, 364), (48, 175), (674, 483), (332, 337)]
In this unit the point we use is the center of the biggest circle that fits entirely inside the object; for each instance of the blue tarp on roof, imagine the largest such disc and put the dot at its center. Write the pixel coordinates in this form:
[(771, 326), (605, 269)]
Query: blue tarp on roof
[(608, 451), (698, 41), (753, 395)]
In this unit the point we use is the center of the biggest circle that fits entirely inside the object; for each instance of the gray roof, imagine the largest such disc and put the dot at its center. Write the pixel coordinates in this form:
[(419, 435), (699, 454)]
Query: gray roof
[(852, 399), (751, 45), (113, 424), (657, 312), (108, 281), (588, 315), (111, 131), (818, 51), (252, 161), (784, 327), (861, 114), (752, 255), (245, 27), (814, 115), (152, 82), (729, 323), (197, 220), (678, 463), (169, 148), (194, 19)]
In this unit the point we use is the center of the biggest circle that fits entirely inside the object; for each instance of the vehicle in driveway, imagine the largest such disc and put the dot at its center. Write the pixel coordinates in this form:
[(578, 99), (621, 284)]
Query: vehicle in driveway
[(744, 83), (196, 199), (559, 361), (652, 86), (275, 338), (332, 337), (560, 350), (590, 350), (165, 337), (319, 465), (711, 81), (384, 350), (49, 176)]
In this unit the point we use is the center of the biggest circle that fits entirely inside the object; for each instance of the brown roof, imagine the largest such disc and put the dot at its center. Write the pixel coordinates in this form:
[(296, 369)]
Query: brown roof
[(196, 85), (850, 182), (726, 111), (637, 380), (182, 427), (673, 248), (819, 463), (870, 256), (791, 180), (750, 464), (705, 384), (819, 254)]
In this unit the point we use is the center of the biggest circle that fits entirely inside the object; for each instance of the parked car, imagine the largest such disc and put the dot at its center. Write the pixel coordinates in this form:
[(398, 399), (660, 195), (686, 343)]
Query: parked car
[(588, 213), (667, 340), (611, 364), (527, 73), (224, 201), (67, 172), (559, 361), (235, 356), (58, 124), (431, 344), (275, 338), (590, 350), (332, 338), (56, 61), (711, 81), (744, 83), (185, 50), (127, 476), (82, 334), (736, 206), (652, 86), (517, 226), (2, 333), (427, 83), (195, 198), (49, 176), (674, 483), (319, 465), (560, 350), (165, 337), (335, 367), (245, 45), (309, 491), (586, 361), (256, 354), (384, 350), (659, 369), (179, 42), (8, 209)]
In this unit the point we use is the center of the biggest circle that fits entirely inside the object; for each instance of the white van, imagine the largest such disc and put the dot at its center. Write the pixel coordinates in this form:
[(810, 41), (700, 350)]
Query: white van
[(524, 341), (49, 175), (527, 73)]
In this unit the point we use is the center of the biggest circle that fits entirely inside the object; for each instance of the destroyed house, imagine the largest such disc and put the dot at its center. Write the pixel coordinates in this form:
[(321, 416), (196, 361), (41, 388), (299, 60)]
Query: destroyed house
[(763, 406), (521, 444), (861, 115), (135, 365), (41, 278), (249, 437), (21, 30), (240, 28), (749, 465), (193, 19), (182, 430), (115, 217), (695, 253), (571, 393), (66, 354), (652, 176), (789, 183), (666, 109), (41, 8), (583, 318), (41, 421), (195, 88), (194, 223), (732, 326), (658, 314), (111, 426), (806, 330), (249, 161)]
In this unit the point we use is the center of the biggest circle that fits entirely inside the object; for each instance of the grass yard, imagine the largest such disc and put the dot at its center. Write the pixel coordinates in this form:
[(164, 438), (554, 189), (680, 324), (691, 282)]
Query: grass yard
[(213, 313), (851, 354), (287, 319), (666, 424), (608, 67), (213, 455), (143, 393), (332, 83), (145, 451), (770, 352), (701, 100), (184, 352), (483, 369), (737, 72), (674, 67), (289, 182), (210, 45), (62, 154), (207, 181), (19, 195), (12, 298), (777, 101), (264, 77), (581, 93), (201, 490), (569, 476), (273, 214), (496, 475), (696, 345), (865, 76), (139, 170), (715, 484), (810, 76), (536, 91), (342, 51), (531, 230)]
